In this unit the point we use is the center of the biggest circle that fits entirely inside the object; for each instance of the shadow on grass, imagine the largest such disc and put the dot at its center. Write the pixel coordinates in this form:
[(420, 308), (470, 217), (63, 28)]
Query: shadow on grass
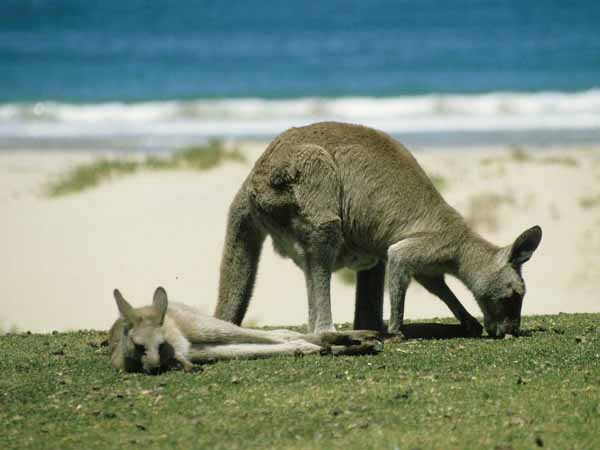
[(434, 331), (454, 331)]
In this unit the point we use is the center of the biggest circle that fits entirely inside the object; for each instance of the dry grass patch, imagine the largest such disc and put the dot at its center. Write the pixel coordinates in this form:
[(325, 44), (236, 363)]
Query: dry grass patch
[(483, 209), (87, 176), (589, 202)]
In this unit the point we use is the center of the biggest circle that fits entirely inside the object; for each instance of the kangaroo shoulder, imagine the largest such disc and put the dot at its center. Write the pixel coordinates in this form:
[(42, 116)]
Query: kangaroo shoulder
[(180, 311)]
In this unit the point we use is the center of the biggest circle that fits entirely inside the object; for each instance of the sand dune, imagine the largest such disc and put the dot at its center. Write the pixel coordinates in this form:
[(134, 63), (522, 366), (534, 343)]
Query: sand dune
[(64, 256)]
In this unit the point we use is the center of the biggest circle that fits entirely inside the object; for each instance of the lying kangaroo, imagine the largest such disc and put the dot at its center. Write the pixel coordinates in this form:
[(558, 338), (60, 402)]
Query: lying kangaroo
[(160, 336), (335, 195)]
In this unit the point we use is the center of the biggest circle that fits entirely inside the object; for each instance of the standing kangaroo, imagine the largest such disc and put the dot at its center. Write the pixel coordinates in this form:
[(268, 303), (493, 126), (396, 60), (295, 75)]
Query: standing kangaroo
[(335, 195), (159, 336)]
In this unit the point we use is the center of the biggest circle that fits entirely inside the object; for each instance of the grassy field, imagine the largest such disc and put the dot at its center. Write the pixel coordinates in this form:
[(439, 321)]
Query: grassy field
[(540, 390)]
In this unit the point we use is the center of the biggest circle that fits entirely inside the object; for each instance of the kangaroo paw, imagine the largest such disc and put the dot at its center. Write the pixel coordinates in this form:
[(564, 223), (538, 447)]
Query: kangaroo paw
[(185, 363), (335, 338), (365, 348)]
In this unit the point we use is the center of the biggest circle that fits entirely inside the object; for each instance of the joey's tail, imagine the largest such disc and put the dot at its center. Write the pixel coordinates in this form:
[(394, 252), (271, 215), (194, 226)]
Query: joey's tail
[(241, 252)]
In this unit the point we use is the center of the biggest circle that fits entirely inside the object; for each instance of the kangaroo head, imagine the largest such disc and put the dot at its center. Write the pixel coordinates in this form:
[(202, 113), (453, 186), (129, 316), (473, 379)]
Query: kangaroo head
[(144, 330), (503, 288)]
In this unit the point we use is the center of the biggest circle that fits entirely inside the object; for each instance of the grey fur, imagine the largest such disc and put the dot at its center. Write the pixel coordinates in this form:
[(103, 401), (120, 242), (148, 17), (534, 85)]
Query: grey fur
[(335, 195)]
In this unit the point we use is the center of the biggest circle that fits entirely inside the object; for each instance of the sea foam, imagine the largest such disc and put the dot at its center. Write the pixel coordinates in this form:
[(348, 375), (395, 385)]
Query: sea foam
[(247, 117)]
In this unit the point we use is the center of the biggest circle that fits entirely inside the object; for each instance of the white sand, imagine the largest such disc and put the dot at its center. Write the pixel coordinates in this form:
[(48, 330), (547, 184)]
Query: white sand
[(63, 256)]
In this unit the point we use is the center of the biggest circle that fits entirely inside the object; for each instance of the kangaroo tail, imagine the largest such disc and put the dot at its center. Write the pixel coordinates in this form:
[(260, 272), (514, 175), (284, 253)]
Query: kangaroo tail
[(239, 263)]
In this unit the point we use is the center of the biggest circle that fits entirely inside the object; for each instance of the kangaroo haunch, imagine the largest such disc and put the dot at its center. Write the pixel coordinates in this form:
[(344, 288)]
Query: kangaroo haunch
[(160, 336), (335, 195)]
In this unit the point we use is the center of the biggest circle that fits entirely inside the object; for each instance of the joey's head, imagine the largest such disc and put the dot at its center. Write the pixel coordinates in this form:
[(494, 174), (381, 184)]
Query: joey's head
[(146, 346), (502, 288)]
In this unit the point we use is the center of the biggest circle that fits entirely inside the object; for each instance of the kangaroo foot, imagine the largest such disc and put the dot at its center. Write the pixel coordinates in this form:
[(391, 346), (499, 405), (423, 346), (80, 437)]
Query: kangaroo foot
[(395, 335), (356, 342), (347, 338), (371, 347), (185, 363)]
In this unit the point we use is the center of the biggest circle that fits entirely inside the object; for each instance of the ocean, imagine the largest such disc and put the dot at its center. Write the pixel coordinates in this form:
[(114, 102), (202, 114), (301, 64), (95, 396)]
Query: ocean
[(160, 74)]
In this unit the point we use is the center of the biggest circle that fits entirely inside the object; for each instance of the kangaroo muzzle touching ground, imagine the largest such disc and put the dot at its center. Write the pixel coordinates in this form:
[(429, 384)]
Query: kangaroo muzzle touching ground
[(335, 195), (163, 335)]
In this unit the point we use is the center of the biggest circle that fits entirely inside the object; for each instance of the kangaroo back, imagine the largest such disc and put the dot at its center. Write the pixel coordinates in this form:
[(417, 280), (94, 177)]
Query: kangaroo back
[(384, 193)]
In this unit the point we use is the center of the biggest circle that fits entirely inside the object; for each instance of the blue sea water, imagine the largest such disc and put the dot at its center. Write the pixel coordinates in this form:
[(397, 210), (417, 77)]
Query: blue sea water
[(163, 69)]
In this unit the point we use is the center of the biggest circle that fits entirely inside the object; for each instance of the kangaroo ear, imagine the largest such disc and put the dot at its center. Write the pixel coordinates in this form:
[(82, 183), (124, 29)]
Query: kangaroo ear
[(160, 302), (126, 310), (525, 245)]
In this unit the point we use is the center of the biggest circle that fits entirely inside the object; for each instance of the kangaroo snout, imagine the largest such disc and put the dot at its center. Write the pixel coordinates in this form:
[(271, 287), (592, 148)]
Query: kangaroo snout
[(150, 369), (151, 362), (500, 329)]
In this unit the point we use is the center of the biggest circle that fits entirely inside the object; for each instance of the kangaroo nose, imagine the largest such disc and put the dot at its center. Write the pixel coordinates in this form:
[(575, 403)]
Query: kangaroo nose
[(513, 330), (508, 327), (150, 363), (495, 330), (513, 327), (499, 334)]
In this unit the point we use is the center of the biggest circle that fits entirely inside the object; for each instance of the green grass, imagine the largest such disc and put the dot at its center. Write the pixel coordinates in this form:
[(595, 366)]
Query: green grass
[(59, 392), (87, 176)]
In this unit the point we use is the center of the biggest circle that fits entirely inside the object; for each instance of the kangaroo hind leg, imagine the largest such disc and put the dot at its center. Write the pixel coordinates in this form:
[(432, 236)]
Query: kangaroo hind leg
[(317, 228), (368, 313), (209, 353)]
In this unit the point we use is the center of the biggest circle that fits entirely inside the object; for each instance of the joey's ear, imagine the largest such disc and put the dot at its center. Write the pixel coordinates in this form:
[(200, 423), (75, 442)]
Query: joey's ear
[(160, 302), (525, 245), (126, 310)]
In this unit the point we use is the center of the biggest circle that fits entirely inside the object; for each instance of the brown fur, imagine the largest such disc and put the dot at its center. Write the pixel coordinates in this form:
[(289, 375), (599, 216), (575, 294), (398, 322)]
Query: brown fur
[(335, 195), (165, 334)]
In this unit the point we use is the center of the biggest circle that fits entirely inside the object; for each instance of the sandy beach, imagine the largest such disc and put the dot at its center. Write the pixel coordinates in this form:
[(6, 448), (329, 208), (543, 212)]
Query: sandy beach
[(65, 255)]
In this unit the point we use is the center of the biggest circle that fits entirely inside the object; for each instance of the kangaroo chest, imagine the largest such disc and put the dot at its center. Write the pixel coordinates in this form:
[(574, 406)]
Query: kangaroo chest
[(346, 257)]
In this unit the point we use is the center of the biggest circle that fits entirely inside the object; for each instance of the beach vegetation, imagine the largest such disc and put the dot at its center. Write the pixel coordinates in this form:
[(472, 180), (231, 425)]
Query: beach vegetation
[(519, 154), (86, 176), (591, 201), (483, 210), (431, 391), (488, 160), (560, 160), (206, 156)]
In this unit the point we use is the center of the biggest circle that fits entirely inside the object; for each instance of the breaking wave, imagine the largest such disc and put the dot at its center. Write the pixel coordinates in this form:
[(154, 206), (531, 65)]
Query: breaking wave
[(248, 117)]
